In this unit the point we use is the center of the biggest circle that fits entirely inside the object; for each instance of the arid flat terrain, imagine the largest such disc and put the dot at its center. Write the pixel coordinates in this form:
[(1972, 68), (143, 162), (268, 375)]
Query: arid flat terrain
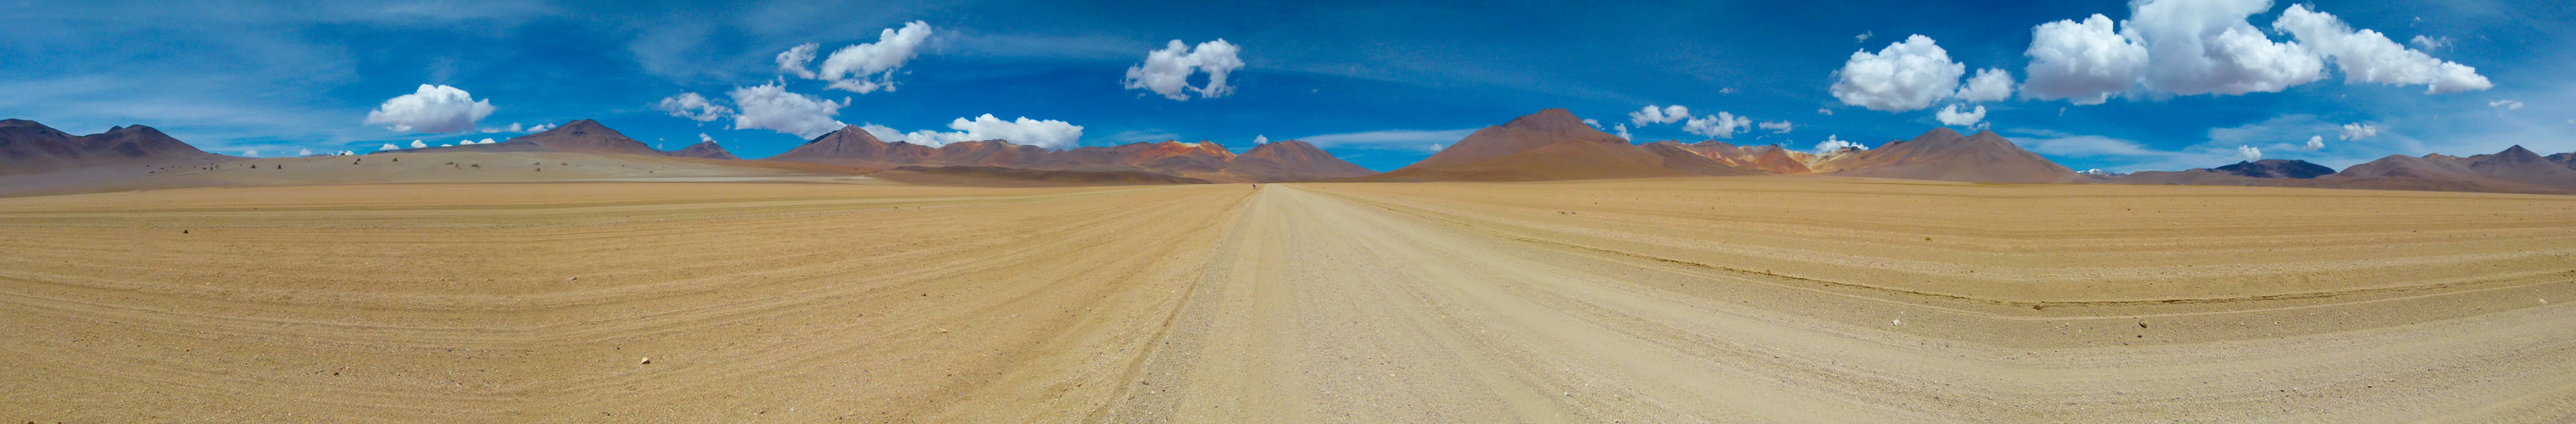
[(1767, 299)]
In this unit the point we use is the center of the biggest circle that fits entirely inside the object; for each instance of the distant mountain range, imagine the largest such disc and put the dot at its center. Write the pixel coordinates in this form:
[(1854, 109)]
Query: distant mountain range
[(1277, 161), (27, 147), (1552, 144)]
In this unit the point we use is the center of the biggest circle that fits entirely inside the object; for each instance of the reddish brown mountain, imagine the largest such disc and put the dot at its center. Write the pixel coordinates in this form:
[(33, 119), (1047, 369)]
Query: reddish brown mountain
[(30, 147), (704, 149), (1944, 155), (2513, 170), (1293, 160), (1773, 158), (854, 147), (583, 136), (1552, 144)]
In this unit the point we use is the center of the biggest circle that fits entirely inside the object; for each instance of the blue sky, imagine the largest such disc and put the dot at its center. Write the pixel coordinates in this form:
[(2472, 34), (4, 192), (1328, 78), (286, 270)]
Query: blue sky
[(1378, 83)]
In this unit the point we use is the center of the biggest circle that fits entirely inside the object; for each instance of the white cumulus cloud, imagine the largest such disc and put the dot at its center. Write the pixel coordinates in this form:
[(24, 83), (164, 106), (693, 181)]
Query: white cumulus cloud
[(1723, 125), (432, 109), (1989, 85), (1951, 116), (2359, 131), (1907, 75), (304, 152), (1260, 140), (1834, 143), (1665, 115), (2191, 47), (2430, 43), (1050, 134), (250, 153), (862, 68), (2249, 153), (771, 107), (2316, 142), (1623, 132), (388, 146), (793, 61), (692, 106), (2368, 56), (1167, 71), (416, 144), (2083, 62)]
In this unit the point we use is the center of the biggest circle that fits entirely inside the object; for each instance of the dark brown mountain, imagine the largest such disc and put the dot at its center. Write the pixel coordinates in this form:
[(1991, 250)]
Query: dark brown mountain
[(1772, 159), (704, 149), (30, 147), (1944, 155), (2276, 168), (1293, 160), (1552, 144)]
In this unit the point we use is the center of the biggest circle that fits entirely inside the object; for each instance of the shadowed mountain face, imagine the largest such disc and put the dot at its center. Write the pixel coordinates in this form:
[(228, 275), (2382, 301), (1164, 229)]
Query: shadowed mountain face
[(1944, 155), (2277, 168), (704, 150), (1289, 161), (30, 147)]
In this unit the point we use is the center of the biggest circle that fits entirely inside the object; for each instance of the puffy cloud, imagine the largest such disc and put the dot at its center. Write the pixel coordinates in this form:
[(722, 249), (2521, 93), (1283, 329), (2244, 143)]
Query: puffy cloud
[(304, 152), (250, 153), (2430, 43), (2249, 153), (1623, 132), (1724, 125), (432, 109), (2206, 47), (704, 138), (1263, 139), (416, 144), (792, 61), (1436, 147), (537, 129), (1050, 134), (1989, 85), (1833, 144), (1167, 71), (2191, 47), (1594, 123), (2368, 56), (1951, 116), (388, 146), (2316, 142), (2083, 62), (514, 128), (883, 133), (2357, 131), (863, 68), (771, 107), (1665, 115), (1863, 37), (1779, 127), (1824, 111), (694, 107), (1905, 76), (2506, 104)]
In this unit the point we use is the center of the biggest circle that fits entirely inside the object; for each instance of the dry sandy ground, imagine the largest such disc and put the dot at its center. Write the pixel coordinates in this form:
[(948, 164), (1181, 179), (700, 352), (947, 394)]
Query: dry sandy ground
[(1776, 299)]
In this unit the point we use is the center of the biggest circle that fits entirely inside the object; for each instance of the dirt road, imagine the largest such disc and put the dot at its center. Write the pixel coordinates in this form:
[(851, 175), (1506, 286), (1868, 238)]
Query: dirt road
[(1763, 299)]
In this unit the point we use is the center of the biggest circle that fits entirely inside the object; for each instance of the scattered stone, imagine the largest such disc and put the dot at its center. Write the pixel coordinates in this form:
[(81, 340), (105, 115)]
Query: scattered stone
[(648, 360)]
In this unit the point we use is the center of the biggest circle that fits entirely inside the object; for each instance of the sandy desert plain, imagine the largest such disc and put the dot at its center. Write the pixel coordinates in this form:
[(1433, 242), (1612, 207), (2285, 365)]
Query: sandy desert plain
[(1780, 298), (1585, 279)]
